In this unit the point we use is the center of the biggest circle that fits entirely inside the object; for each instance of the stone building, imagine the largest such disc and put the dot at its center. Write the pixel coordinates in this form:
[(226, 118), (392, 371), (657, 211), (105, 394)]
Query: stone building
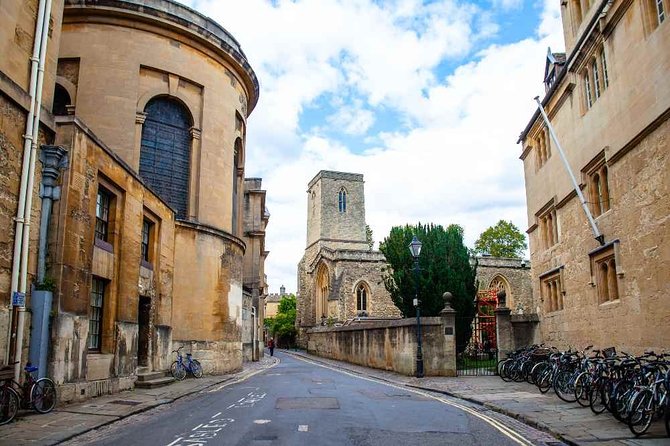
[(272, 302), (256, 217), (339, 276), (608, 101), (146, 245)]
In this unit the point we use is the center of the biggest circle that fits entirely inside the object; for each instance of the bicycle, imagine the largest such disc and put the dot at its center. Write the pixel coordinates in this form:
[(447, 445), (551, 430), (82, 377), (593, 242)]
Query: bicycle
[(39, 395), (180, 368)]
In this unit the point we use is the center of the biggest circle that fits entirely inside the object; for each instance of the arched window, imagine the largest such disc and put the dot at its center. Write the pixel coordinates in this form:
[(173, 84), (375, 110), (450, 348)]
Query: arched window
[(237, 173), (500, 283), (342, 200), (165, 154), (361, 298), (61, 101)]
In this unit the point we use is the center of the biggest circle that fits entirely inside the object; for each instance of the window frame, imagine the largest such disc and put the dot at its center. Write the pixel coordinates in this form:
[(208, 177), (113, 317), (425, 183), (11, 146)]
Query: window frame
[(606, 258), (361, 301), (552, 291), (342, 200), (96, 310), (103, 222)]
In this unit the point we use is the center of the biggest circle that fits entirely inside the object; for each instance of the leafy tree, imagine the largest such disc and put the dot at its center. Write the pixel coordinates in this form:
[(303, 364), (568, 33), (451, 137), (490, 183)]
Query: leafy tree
[(282, 326), (444, 265), (368, 236), (502, 240)]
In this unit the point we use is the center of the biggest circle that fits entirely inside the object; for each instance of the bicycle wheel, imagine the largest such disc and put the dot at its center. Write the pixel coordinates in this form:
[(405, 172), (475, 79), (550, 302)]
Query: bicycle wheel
[(178, 370), (43, 395), (504, 370), (537, 371), (9, 404), (545, 379), (582, 389), (597, 399), (641, 412), (620, 399), (196, 368), (563, 386), (499, 365)]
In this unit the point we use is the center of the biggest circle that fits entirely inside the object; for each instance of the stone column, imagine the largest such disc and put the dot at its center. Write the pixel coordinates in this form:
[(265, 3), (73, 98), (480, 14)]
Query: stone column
[(448, 316), (504, 330)]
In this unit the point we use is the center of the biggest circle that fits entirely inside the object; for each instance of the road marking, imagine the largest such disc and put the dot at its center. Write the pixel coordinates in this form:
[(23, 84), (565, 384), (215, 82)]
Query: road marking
[(243, 378), (261, 421), (303, 428), (216, 414), (508, 432), (176, 441)]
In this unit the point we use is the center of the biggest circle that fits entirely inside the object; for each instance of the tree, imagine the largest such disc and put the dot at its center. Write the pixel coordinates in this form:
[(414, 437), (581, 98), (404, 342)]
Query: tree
[(444, 265), (502, 240), (282, 326), (368, 236)]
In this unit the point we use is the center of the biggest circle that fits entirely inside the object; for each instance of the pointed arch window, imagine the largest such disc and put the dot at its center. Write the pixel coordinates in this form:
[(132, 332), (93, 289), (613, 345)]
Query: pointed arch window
[(342, 200), (361, 298)]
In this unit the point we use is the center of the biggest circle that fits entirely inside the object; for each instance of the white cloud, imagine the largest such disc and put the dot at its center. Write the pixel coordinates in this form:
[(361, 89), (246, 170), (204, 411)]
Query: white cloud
[(456, 163)]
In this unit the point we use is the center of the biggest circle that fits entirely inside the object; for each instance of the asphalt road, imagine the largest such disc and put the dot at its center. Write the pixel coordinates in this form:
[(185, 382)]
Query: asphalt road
[(301, 403)]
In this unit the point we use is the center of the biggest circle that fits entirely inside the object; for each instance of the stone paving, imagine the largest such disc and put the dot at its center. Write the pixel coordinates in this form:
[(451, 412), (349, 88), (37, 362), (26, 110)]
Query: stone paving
[(68, 421), (568, 422)]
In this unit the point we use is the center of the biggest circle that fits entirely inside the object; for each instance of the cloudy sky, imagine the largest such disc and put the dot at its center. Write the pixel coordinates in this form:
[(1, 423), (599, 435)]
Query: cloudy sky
[(425, 98)]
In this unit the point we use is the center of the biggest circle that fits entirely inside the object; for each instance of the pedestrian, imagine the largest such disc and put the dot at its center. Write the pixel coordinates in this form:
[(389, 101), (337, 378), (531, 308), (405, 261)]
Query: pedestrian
[(271, 346)]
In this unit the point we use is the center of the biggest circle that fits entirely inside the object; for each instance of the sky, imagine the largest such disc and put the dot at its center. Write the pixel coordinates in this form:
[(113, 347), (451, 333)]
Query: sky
[(426, 99)]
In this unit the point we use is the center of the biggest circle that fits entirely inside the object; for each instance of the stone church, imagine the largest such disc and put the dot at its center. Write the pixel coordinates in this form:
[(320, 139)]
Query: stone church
[(339, 276)]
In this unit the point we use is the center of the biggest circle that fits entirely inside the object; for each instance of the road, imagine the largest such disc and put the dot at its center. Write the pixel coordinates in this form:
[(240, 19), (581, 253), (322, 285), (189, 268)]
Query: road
[(303, 403)]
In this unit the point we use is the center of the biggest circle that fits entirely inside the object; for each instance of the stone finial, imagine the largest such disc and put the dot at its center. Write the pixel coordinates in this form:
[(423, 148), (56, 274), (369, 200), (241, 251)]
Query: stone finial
[(448, 299), (502, 298)]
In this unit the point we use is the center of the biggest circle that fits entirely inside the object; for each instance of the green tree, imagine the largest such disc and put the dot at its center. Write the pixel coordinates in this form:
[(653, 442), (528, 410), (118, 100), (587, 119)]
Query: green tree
[(444, 265), (368, 236), (502, 240), (282, 326)]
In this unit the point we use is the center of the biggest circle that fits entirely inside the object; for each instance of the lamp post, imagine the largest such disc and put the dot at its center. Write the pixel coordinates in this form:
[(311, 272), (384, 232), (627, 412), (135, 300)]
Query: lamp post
[(415, 249)]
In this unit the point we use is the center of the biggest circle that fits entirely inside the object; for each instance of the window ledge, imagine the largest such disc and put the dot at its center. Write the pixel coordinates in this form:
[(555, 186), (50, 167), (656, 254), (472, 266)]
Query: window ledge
[(105, 246), (147, 265), (610, 303)]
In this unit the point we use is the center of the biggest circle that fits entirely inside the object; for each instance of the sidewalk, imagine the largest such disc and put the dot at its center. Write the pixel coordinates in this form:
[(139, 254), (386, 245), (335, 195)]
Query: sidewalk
[(70, 420), (568, 422)]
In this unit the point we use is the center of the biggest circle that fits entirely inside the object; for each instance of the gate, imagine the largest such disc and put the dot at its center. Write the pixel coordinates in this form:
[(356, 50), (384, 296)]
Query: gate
[(480, 355)]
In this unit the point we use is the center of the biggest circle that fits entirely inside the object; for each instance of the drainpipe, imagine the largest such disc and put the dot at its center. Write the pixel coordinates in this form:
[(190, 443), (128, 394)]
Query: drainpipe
[(54, 159), (254, 335), (22, 233), (594, 227)]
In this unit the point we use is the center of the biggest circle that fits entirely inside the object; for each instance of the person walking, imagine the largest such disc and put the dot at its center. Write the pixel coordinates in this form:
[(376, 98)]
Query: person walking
[(271, 346)]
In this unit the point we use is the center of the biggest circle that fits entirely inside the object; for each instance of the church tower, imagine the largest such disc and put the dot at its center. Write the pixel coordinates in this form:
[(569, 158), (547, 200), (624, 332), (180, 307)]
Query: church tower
[(336, 211)]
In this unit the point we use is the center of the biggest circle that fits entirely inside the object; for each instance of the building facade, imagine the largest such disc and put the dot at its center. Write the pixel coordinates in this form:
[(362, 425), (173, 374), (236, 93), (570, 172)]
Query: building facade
[(608, 101), (147, 238), (339, 276)]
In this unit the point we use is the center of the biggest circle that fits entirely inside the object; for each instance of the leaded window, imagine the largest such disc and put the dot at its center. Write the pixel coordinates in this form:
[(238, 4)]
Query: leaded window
[(146, 234), (102, 206), (342, 200), (165, 154), (95, 318), (361, 298)]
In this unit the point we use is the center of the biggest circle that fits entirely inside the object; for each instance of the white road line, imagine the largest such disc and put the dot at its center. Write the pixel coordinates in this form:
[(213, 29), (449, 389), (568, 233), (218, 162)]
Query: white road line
[(176, 441), (197, 427), (216, 414), (303, 428), (508, 432)]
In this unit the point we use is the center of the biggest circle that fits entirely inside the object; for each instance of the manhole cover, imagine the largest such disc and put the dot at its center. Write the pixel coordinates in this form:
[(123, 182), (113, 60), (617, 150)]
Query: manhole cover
[(307, 403), (125, 402)]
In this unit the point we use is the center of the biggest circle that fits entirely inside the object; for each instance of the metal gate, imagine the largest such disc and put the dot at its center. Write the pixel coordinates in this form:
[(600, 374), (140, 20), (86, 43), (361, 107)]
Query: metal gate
[(480, 355)]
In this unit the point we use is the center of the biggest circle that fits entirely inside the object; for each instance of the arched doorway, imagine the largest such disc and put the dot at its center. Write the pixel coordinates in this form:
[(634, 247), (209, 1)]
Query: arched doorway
[(322, 292), (165, 152)]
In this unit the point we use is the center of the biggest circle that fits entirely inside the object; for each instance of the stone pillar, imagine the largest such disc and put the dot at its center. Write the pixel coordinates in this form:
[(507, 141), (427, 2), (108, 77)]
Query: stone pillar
[(448, 316), (504, 330)]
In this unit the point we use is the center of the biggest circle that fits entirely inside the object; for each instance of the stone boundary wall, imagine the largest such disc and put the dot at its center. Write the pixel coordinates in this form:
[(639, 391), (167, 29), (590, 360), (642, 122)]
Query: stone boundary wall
[(390, 345)]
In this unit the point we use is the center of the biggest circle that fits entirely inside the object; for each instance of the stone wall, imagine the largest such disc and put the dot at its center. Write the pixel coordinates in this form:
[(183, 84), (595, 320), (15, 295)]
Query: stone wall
[(390, 345), (514, 274)]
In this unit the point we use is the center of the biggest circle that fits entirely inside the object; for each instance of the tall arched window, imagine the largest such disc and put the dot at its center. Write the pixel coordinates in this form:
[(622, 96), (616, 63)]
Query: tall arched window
[(237, 173), (165, 153), (342, 200), (361, 298)]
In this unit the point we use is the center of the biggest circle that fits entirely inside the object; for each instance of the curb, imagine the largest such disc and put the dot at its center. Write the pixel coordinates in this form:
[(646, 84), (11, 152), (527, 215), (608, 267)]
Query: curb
[(517, 416), (243, 376)]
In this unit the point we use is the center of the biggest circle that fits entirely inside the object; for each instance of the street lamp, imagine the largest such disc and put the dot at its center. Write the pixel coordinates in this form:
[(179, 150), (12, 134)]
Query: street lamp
[(415, 249)]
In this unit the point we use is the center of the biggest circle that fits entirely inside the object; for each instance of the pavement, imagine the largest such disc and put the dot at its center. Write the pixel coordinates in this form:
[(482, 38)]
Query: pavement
[(70, 420), (567, 422)]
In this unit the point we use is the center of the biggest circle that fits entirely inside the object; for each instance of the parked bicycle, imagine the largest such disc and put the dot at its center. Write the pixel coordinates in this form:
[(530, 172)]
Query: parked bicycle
[(181, 367), (39, 395)]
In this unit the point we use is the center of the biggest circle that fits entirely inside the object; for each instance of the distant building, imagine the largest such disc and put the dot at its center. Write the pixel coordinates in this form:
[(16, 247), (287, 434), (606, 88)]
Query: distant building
[(339, 276), (272, 302), (608, 100)]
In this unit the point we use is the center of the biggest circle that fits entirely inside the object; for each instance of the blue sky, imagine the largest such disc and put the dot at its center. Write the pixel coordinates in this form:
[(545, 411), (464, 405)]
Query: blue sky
[(441, 88)]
